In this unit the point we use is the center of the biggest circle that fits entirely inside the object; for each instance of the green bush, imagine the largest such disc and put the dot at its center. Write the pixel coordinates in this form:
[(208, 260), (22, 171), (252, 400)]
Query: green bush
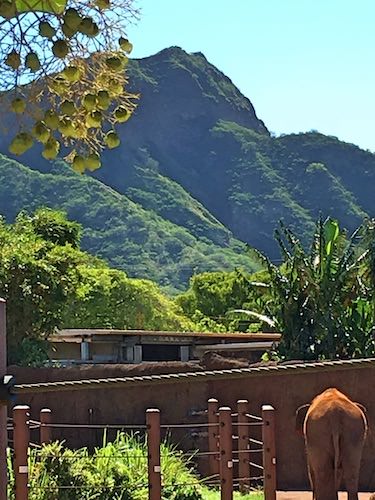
[(116, 471)]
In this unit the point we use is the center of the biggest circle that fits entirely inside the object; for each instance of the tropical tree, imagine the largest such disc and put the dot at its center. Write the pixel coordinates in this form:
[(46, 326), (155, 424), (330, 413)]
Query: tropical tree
[(107, 298), (212, 296), (62, 75), (38, 262), (49, 283), (322, 300)]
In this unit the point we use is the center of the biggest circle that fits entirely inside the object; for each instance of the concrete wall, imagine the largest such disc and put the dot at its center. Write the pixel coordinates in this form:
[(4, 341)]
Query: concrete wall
[(285, 390)]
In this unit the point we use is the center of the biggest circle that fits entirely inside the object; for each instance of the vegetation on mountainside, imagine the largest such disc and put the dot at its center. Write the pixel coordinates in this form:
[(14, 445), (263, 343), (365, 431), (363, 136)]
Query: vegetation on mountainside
[(50, 283), (62, 75), (322, 299), (127, 236), (196, 168), (221, 154)]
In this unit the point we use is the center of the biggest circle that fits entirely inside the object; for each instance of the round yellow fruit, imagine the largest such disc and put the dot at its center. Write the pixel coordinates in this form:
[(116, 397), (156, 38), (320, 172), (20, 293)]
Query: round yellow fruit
[(93, 162), (46, 30), (122, 115), (58, 85), (21, 143), (89, 102), (51, 119), (51, 149), (88, 27), (7, 9), (72, 19), (68, 108), (13, 60), (60, 49), (125, 45), (72, 74), (112, 140), (32, 61), (103, 4), (116, 63), (66, 128), (18, 105), (103, 99), (94, 119), (116, 88), (40, 132), (79, 164)]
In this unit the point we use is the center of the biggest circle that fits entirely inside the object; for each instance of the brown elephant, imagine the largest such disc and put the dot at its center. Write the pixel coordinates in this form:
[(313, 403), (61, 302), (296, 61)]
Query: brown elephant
[(334, 428)]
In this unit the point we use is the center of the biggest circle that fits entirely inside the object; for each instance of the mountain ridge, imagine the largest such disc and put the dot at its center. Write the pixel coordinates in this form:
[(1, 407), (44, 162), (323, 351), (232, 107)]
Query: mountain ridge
[(196, 158)]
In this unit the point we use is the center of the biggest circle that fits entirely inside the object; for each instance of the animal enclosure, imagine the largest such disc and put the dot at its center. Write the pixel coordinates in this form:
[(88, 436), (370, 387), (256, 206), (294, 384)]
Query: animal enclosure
[(229, 450)]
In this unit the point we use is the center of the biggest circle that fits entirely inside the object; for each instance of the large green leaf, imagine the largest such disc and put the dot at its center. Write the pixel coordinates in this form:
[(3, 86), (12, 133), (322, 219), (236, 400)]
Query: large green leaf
[(52, 6), (331, 232)]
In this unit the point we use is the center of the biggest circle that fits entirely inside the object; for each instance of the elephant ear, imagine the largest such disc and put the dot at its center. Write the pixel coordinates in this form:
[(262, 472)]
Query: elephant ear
[(364, 409), (300, 417)]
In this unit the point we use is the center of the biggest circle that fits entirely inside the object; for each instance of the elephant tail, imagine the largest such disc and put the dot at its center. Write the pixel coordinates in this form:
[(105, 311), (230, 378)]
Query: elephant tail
[(337, 465)]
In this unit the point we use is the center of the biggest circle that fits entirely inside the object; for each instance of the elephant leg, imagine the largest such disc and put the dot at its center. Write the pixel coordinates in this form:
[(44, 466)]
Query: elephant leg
[(311, 478), (351, 462), (321, 473)]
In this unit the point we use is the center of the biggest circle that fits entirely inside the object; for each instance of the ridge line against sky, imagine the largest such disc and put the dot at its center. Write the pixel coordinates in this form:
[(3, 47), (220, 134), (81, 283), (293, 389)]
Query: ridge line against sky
[(304, 64)]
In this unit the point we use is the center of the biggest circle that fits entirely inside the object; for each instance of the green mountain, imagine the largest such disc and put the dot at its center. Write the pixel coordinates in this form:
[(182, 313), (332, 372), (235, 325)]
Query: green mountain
[(119, 230), (197, 171), (194, 127)]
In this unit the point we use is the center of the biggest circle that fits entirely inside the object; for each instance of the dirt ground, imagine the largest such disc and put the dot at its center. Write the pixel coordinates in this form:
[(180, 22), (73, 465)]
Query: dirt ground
[(306, 495)]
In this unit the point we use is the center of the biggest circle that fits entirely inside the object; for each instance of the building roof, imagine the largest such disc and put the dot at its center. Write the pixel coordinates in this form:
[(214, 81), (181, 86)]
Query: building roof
[(77, 335)]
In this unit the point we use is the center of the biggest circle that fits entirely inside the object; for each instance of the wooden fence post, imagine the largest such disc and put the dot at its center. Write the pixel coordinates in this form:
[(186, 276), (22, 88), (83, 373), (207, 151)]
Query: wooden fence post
[(243, 444), (226, 458), (21, 444), (269, 452), (153, 446), (213, 432), (45, 418), (3, 407)]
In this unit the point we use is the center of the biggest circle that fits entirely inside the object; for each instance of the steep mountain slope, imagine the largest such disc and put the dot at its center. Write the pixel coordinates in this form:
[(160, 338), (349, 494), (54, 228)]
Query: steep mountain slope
[(119, 230), (193, 126), (197, 162)]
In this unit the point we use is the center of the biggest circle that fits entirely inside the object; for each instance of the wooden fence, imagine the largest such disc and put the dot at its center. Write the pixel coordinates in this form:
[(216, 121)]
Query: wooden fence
[(236, 459)]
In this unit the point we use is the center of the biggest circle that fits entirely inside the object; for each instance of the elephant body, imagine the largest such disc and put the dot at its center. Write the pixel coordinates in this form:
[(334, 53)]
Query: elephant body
[(334, 428)]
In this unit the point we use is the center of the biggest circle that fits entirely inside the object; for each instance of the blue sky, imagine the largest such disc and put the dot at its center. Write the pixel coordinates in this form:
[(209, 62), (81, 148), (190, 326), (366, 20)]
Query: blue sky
[(304, 64)]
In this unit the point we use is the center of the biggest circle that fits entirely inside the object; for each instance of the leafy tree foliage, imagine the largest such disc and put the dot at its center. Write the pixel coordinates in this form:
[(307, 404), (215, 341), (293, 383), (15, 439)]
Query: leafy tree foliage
[(36, 276), (107, 298), (322, 300), (50, 283), (123, 233), (62, 73), (212, 295)]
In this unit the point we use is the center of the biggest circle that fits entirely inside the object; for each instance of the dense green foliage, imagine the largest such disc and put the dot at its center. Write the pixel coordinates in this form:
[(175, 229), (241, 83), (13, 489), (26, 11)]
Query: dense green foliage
[(321, 299), (116, 471), (196, 172), (49, 282), (212, 295), (119, 230)]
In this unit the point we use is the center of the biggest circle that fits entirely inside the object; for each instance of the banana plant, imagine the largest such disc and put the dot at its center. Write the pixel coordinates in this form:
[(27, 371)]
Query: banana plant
[(322, 299)]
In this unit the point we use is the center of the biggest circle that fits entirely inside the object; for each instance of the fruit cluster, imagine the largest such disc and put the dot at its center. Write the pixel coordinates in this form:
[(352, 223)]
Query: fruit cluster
[(63, 76)]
